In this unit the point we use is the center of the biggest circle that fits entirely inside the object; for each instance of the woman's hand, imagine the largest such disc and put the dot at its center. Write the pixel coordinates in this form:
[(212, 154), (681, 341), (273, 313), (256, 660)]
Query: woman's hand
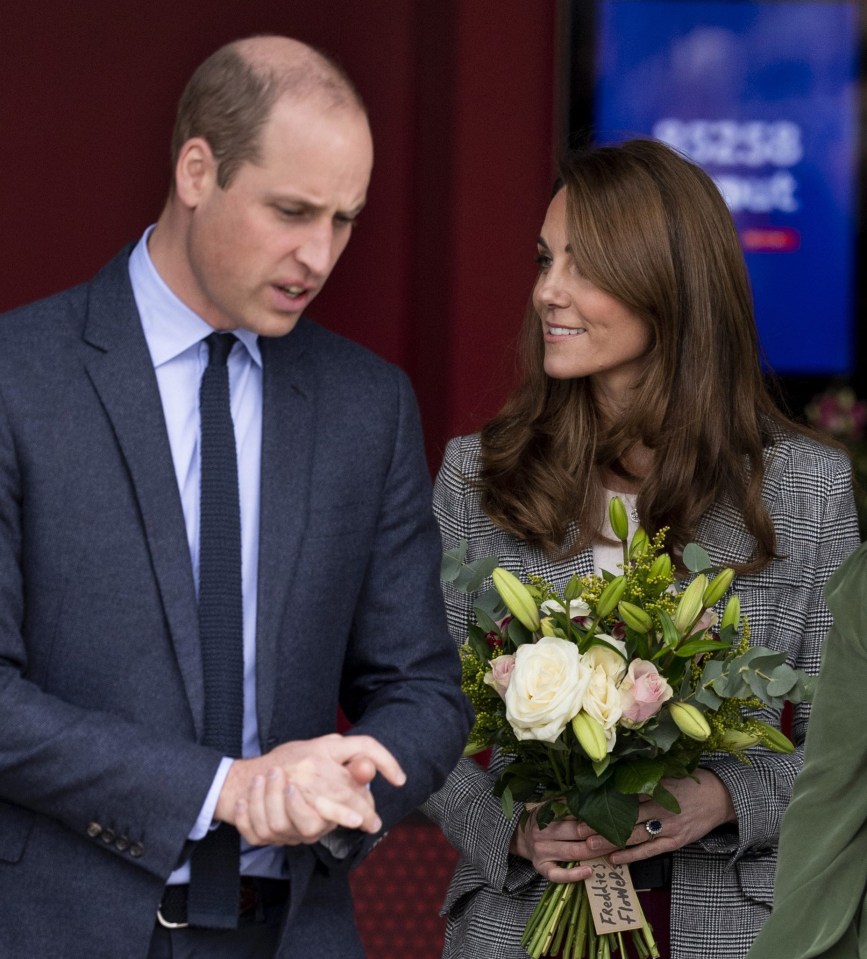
[(704, 805), (547, 848)]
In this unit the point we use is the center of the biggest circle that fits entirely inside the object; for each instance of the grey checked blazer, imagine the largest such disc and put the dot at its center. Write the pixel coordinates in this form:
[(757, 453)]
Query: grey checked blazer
[(722, 886)]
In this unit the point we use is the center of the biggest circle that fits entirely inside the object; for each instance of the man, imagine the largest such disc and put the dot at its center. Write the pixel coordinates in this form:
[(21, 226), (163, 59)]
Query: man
[(138, 635)]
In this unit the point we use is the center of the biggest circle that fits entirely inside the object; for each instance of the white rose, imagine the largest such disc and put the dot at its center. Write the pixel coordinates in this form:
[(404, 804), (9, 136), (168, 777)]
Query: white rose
[(613, 663), (577, 607), (602, 702), (547, 684)]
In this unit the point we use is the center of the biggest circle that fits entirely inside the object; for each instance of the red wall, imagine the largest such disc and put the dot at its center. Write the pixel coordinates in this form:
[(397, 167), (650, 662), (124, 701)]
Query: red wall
[(460, 94)]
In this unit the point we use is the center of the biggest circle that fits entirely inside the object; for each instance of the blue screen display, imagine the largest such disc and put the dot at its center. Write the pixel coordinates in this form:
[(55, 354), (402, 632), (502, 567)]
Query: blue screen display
[(764, 97)]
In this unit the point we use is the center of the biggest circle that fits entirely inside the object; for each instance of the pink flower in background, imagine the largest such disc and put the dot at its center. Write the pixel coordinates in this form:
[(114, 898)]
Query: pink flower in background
[(642, 692)]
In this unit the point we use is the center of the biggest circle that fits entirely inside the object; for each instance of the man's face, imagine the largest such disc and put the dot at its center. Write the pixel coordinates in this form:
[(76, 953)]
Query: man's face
[(260, 250)]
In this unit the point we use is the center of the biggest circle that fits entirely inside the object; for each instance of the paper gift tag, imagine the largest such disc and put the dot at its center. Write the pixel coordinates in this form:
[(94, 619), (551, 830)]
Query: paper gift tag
[(613, 901)]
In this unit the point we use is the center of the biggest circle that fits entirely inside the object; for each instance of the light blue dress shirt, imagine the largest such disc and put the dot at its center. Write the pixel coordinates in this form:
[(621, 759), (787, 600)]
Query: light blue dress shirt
[(175, 338)]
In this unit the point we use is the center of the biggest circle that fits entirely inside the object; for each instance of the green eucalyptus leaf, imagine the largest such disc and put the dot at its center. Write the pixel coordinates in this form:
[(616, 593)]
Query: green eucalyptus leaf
[(477, 572), (783, 680), (453, 561), (696, 560), (489, 602)]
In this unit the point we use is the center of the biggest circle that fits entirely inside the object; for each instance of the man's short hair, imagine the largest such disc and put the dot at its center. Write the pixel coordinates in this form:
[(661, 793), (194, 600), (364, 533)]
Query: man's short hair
[(229, 99)]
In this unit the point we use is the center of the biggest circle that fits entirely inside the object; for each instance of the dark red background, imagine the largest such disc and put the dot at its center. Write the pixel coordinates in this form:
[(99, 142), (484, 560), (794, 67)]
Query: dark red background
[(461, 100)]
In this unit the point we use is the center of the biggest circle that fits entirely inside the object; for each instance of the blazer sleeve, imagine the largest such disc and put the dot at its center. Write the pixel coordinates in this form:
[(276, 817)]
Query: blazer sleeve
[(814, 514), (401, 676), (466, 808), (131, 790)]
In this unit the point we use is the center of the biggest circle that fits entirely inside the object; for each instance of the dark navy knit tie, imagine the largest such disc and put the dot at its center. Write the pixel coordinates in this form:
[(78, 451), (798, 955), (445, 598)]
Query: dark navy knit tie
[(215, 865)]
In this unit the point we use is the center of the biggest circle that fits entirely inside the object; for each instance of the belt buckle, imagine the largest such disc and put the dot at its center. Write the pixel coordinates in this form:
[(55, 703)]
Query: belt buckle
[(167, 924)]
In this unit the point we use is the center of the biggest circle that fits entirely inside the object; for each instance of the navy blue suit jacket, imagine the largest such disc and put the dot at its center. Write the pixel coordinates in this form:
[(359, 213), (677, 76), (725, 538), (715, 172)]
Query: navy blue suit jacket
[(101, 698)]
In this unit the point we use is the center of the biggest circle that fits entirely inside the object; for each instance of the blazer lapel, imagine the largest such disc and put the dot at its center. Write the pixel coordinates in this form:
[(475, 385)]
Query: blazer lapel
[(288, 436), (121, 371)]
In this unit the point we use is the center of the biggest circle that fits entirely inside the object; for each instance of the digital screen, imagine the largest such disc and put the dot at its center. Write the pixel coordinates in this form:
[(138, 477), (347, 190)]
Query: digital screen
[(764, 97)]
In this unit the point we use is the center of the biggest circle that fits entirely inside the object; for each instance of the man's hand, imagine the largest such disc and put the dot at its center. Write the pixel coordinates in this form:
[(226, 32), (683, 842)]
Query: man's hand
[(300, 791)]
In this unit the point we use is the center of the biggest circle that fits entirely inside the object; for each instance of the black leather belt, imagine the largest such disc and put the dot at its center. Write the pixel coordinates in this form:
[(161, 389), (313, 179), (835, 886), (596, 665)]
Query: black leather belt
[(653, 873), (254, 895)]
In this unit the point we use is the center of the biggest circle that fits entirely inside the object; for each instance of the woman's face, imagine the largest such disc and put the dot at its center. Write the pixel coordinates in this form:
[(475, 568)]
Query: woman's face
[(587, 332)]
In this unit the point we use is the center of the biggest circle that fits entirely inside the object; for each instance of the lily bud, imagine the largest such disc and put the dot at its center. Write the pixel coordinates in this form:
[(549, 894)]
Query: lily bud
[(640, 543), (690, 721), (661, 567), (610, 596), (591, 736), (775, 740), (690, 604), (635, 617), (617, 518), (732, 614), (735, 740), (718, 587), (517, 598), (546, 627)]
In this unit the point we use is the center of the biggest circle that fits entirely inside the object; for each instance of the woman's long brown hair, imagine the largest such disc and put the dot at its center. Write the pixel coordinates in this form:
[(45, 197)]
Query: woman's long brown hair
[(652, 230)]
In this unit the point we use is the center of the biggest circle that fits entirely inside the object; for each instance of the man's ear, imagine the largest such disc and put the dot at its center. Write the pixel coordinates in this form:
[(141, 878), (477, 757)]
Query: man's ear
[(195, 172)]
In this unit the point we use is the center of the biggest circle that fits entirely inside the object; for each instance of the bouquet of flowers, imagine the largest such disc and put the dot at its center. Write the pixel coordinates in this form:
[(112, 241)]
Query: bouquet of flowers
[(600, 693)]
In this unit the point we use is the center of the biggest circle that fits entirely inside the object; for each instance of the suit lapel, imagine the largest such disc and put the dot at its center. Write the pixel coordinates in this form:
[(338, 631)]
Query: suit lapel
[(121, 371), (288, 435)]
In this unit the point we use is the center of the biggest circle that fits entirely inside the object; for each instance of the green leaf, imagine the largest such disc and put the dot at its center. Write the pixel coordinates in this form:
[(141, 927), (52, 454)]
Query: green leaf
[(484, 621), (670, 635), (477, 640), (518, 633), (783, 680), (665, 799), (692, 647), (641, 776), (453, 561), (696, 560), (586, 778), (475, 573), (609, 812), (508, 803)]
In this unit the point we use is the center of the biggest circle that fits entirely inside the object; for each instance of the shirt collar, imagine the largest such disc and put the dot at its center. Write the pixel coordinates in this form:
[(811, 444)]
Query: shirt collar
[(170, 326)]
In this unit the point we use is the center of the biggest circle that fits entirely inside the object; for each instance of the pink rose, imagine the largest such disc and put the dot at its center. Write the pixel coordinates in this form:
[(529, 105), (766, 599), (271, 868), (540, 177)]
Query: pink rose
[(642, 692), (500, 673)]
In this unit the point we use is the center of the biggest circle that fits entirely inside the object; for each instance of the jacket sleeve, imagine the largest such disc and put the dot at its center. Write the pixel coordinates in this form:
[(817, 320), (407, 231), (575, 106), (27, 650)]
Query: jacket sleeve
[(814, 515), (466, 808), (401, 680), (130, 789)]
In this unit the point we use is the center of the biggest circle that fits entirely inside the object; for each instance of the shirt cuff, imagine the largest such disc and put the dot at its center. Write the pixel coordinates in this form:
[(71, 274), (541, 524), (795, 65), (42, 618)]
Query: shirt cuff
[(205, 821)]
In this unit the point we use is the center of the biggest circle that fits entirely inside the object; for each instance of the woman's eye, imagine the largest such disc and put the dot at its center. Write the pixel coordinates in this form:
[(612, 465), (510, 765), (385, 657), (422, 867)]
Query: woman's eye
[(542, 260)]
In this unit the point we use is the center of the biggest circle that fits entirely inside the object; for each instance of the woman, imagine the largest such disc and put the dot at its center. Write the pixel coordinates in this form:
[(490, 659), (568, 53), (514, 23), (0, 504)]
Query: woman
[(642, 379)]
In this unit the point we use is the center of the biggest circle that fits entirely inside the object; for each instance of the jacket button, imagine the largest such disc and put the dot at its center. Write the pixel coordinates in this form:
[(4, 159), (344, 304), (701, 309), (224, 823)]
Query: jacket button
[(136, 850), (94, 829), (121, 843), (108, 836)]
